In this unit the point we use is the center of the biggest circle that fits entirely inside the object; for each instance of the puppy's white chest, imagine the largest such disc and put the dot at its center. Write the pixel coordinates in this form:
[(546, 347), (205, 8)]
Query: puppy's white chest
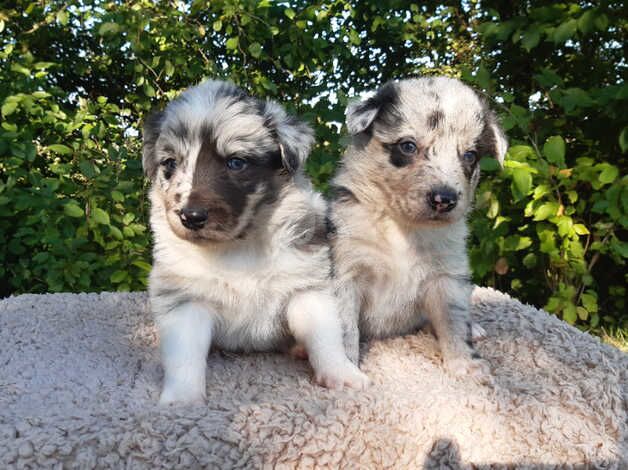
[(391, 305), (248, 292)]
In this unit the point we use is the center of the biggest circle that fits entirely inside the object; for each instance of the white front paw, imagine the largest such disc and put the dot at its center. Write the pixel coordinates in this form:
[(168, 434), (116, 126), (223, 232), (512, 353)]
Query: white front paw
[(346, 374), (181, 395)]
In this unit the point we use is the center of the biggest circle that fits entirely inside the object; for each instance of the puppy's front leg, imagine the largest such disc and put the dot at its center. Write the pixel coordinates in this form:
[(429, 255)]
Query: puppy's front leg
[(349, 310), (185, 336), (445, 302), (314, 322)]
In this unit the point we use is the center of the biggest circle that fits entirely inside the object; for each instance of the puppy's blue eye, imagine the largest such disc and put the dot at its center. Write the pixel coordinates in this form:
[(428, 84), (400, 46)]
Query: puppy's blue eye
[(470, 157), (170, 164), (236, 164), (408, 147)]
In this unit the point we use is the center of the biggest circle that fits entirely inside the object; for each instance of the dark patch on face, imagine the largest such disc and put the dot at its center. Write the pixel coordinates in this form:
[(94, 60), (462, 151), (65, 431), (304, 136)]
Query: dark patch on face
[(223, 192), (398, 158), (475, 355), (435, 119), (177, 197), (150, 134), (386, 102), (468, 168), (342, 194), (487, 141)]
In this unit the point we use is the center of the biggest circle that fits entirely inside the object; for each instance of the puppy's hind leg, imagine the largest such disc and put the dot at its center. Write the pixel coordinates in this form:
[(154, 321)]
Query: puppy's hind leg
[(445, 302), (185, 336), (314, 322)]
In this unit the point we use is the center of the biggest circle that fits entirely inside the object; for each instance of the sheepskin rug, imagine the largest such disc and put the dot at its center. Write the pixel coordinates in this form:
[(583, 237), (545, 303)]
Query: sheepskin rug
[(80, 377)]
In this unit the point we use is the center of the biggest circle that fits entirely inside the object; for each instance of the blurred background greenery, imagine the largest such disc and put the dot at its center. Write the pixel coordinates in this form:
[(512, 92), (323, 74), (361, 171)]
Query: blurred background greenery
[(78, 77)]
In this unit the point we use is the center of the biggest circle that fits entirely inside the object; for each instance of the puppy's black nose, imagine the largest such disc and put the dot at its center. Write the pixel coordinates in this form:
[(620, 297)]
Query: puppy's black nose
[(193, 218), (442, 199)]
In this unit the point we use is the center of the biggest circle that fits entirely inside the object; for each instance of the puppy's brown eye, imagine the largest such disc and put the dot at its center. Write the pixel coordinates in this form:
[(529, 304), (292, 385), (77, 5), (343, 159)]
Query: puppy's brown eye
[(470, 157), (170, 165), (408, 147)]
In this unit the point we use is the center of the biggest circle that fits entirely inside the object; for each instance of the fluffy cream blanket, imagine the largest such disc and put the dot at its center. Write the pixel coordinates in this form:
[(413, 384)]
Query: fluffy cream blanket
[(80, 376)]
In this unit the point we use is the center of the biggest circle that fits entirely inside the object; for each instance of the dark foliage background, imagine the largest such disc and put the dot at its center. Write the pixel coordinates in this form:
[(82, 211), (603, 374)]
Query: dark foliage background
[(78, 77)]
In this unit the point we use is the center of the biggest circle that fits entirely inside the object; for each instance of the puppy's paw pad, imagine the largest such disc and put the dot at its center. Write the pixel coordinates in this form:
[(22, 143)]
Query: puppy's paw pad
[(340, 377), (477, 332)]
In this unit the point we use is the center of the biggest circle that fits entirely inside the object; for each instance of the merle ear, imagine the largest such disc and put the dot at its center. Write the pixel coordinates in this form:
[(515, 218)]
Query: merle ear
[(295, 137), (150, 134), (494, 138), (361, 114)]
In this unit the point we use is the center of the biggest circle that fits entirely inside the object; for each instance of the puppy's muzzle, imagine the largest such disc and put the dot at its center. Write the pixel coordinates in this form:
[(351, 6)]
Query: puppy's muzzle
[(194, 218), (442, 199)]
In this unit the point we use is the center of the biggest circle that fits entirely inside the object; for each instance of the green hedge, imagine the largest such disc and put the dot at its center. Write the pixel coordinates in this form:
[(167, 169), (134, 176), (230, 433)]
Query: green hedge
[(78, 77)]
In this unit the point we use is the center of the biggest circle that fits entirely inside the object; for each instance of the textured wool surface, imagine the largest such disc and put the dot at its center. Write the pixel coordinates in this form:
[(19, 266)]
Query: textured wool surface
[(80, 377)]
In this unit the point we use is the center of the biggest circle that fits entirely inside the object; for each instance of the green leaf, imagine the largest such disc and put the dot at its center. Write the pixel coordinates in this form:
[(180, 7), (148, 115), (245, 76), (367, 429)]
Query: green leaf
[(581, 229), (554, 150), (115, 232), (217, 26), (545, 211), (565, 31), (582, 313), (523, 180), (8, 108), (585, 22), (128, 218), (530, 260), (20, 69), (289, 12), (100, 216), (570, 314), (62, 17), (118, 276), (489, 164), (232, 43), (117, 196), (531, 38), (143, 265), (601, 22), (73, 210), (60, 149), (623, 140), (108, 28), (255, 49), (589, 301), (483, 77), (608, 174)]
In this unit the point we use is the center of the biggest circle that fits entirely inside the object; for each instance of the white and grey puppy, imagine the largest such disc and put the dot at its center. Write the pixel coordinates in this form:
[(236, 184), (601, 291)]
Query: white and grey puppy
[(240, 258), (399, 208)]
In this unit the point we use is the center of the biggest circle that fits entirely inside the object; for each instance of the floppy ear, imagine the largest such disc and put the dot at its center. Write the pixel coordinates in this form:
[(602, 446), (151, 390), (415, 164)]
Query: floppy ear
[(361, 114), (493, 138), (150, 133), (295, 137)]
